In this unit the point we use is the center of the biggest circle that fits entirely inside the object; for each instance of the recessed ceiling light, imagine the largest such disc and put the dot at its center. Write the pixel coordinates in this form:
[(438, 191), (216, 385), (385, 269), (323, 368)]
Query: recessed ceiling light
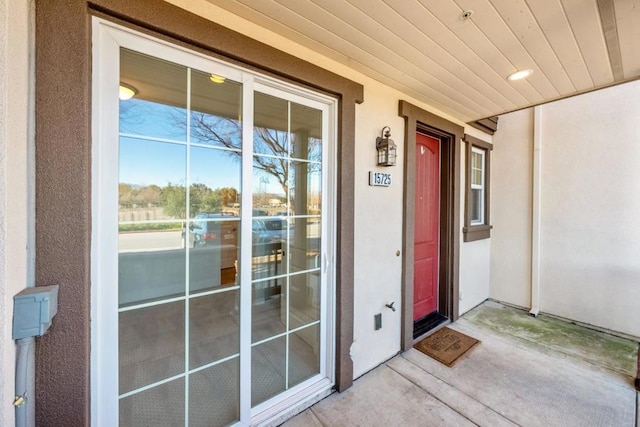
[(519, 75), (126, 92), (216, 79)]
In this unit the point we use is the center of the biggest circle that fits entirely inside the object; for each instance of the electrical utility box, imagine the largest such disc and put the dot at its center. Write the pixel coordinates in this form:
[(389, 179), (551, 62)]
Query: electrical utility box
[(33, 310)]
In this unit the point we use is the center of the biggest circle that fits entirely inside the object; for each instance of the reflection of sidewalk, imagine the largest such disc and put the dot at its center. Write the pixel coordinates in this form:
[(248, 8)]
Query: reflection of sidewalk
[(149, 241)]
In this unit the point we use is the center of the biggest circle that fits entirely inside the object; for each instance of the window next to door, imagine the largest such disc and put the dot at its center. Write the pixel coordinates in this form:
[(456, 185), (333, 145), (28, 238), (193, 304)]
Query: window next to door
[(478, 168)]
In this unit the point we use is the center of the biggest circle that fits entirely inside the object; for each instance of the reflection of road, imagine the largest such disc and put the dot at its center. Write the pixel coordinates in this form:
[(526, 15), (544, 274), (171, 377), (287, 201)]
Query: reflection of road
[(164, 240), (149, 241)]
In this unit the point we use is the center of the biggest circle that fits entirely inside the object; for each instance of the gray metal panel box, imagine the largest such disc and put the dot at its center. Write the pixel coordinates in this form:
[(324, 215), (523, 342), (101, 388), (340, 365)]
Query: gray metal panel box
[(33, 309)]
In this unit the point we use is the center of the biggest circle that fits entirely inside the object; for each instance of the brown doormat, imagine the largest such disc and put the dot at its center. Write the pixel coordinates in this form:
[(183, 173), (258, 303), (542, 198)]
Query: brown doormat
[(446, 345)]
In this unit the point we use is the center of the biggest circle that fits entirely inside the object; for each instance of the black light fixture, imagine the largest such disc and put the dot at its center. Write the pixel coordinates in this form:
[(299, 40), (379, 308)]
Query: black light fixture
[(386, 148)]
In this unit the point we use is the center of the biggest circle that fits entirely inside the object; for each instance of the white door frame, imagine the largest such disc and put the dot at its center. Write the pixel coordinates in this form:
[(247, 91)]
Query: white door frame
[(107, 40)]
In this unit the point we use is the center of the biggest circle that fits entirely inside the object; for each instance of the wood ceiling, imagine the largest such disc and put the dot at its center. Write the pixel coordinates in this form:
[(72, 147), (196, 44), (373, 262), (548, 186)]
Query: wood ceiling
[(427, 49)]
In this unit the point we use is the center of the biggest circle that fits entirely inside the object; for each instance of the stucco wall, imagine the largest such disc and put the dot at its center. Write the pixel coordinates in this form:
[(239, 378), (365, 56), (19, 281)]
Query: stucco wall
[(590, 234), (378, 233), (474, 256), (378, 211), (474, 273), (511, 204), (589, 228), (15, 202)]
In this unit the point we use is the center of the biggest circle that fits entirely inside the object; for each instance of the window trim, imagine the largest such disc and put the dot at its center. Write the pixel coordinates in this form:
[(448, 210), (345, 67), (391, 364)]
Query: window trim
[(481, 186), (477, 231)]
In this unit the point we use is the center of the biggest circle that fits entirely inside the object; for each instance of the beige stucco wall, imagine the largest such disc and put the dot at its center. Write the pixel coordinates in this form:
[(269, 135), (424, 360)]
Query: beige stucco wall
[(590, 234), (511, 208), (378, 211), (589, 228), (474, 256), (378, 233), (15, 182)]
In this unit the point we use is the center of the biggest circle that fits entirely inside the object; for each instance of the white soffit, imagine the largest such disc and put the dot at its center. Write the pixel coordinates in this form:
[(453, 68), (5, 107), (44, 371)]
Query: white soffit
[(426, 48)]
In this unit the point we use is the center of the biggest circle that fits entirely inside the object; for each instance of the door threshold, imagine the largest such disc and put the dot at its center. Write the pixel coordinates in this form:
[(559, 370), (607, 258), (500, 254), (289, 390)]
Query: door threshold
[(428, 323)]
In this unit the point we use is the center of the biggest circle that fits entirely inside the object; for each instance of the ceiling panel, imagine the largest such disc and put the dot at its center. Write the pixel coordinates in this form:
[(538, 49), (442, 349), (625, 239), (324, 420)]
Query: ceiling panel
[(585, 24), (628, 19), (471, 36), (517, 15), (429, 51), (553, 22), (426, 48)]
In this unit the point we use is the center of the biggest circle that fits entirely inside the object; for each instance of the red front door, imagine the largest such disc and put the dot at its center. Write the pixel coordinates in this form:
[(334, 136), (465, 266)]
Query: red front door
[(427, 226)]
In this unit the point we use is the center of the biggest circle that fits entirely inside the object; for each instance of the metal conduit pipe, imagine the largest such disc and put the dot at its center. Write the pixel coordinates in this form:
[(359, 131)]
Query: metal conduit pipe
[(23, 377)]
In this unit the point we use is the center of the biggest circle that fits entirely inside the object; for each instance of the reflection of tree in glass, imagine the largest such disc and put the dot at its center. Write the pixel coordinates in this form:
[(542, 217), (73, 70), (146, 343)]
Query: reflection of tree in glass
[(174, 201), (270, 146), (129, 118), (201, 199), (130, 195)]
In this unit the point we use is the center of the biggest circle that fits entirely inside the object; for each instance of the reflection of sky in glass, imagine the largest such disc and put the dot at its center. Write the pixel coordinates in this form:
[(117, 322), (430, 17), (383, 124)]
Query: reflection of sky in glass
[(150, 162), (214, 121), (141, 117), (215, 168)]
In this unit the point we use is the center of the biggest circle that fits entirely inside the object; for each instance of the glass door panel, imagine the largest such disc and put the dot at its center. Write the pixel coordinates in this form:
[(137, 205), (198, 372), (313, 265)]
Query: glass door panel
[(287, 206), (179, 333), (188, 315)]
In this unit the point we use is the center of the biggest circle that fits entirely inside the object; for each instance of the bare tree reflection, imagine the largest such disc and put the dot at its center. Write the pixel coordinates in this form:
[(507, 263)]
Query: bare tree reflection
[(272, 147)]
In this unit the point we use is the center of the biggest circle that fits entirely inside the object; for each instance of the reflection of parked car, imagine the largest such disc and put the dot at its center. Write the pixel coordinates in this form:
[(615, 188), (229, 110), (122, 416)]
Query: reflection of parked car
[(203, 231), (259, 233), (276, 229)]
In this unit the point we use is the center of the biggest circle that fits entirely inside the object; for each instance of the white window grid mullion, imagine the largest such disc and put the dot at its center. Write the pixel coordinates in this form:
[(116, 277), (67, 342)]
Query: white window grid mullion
[(215, 147), (285, 275), (246, 248), (282, 334), (151, 221), (178, 376), (150, 304), (150, 386), (215, 363), (187, 211), (213, 292), (151, 138)]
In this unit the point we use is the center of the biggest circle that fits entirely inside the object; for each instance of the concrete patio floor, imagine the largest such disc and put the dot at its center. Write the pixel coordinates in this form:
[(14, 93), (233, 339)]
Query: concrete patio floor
[(526, 371)]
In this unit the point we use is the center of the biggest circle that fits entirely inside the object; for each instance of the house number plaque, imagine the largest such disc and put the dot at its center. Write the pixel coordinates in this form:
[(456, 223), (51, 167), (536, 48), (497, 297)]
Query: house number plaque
[(379, 179)]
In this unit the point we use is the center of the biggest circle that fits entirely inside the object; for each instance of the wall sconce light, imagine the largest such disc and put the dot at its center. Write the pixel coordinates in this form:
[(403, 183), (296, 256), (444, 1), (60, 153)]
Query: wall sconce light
[(386, 148)]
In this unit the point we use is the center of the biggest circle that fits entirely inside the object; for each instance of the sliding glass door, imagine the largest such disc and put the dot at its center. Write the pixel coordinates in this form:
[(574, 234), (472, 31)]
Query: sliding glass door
[(213, 286)]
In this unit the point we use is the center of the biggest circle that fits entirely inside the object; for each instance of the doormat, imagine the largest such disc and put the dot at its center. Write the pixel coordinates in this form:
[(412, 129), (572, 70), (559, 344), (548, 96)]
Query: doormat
[(446, 345)]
